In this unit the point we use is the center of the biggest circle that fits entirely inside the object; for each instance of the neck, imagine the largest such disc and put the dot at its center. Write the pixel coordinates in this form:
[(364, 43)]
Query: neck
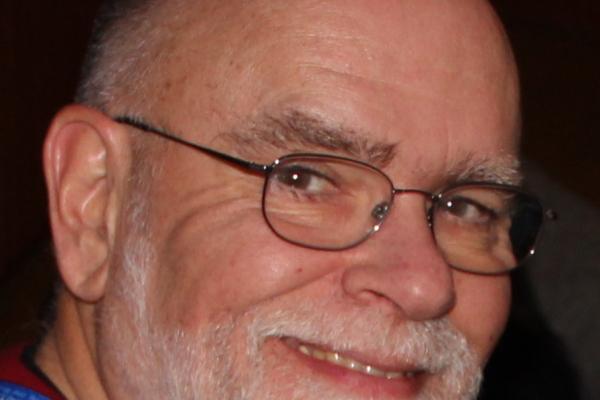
[(67, 352)]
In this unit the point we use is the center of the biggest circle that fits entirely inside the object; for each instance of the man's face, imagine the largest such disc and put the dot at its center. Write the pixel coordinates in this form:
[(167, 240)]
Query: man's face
[(205, 300)]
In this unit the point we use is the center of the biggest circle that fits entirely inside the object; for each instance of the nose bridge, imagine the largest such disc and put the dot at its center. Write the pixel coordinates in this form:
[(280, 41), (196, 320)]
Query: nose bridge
[(426, 196), (381, 211), (424, 193), (401, 264)]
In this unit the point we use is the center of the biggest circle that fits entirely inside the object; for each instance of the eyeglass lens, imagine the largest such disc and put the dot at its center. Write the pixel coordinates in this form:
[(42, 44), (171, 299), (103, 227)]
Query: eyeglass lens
[(335, 203)]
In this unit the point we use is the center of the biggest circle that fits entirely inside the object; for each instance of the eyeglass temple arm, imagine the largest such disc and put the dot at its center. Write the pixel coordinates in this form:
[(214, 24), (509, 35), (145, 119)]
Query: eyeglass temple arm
[(140, 124)]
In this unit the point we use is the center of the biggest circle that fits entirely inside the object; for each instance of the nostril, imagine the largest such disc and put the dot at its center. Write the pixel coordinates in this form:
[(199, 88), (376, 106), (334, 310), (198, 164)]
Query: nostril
[(380, 211)]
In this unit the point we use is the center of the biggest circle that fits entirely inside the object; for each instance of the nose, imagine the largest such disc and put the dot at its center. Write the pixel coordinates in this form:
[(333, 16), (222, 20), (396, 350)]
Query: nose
[(401, 267)]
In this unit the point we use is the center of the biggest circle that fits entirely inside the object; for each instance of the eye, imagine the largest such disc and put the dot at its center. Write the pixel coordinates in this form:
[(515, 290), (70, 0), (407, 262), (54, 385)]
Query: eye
[(467, 210), (304, 179)]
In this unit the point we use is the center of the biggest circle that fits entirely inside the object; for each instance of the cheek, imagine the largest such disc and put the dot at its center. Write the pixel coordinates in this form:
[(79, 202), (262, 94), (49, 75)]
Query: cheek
[(213, 271), (481, 311)]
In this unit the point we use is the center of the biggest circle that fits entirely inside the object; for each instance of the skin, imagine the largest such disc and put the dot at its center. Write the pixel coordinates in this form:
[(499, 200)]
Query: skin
[(435, 78)]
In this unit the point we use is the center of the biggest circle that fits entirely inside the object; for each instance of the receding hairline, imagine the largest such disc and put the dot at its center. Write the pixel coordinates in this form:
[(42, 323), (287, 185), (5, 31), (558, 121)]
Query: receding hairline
[(123, 51)]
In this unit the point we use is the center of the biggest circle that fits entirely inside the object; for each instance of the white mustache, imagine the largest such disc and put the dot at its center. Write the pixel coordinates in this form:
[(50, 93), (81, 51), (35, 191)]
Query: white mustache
[(432, 346)]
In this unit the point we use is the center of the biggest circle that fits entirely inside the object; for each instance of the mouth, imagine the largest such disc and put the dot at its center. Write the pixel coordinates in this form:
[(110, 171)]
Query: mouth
[(360, 371), (343, 361)]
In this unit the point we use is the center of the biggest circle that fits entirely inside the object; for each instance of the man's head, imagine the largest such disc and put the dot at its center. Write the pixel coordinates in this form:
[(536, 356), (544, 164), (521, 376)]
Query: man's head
[(176, 287)]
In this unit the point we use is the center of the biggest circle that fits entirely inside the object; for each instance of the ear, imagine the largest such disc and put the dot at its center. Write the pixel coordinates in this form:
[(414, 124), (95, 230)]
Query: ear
[(86, 161)]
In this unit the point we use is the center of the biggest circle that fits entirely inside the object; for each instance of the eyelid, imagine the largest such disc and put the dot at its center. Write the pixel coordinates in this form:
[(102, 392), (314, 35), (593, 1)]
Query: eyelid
[(312, 171), (493, 213), (481, 207)]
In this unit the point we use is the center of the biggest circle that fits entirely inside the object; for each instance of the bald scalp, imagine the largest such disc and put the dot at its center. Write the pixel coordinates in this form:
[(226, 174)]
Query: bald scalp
[(198, 63)]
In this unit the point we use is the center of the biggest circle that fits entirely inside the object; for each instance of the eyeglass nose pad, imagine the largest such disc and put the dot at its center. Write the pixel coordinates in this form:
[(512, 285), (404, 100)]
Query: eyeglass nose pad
[(430, 218), (380, 211)]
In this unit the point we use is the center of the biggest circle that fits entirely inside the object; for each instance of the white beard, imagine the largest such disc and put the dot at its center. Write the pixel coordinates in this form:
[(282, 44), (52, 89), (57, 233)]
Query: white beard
[(223, 360)]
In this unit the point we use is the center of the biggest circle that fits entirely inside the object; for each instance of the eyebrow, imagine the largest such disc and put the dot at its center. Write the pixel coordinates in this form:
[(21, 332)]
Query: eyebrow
[(295, 131), (505, 170)]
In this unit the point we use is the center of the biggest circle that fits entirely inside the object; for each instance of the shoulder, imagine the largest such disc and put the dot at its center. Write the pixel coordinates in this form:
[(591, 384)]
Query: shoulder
[(19, 376)]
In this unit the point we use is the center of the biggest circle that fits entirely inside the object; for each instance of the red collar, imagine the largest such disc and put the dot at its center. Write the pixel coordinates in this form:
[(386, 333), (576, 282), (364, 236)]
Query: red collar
[(17, 366)]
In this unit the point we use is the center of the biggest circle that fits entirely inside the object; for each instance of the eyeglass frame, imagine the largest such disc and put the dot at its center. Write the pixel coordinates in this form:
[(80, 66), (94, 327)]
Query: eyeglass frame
[(266, 169)]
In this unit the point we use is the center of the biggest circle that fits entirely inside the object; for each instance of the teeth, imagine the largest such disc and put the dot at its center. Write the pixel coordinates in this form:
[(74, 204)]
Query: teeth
[(337, 359), (319, 355), (374, 372), (304, 350), (333, 357), (394, 375)]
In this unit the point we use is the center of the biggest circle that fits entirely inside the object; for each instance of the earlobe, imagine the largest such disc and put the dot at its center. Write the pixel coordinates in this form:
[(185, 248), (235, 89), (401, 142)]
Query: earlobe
[(84, 162)]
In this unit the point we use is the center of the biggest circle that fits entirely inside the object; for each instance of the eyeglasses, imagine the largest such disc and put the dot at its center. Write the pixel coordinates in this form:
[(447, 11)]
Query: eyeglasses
[(329, 202)]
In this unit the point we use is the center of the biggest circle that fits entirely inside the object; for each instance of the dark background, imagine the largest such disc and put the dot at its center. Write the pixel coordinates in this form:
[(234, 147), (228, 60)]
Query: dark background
[(557, 45)]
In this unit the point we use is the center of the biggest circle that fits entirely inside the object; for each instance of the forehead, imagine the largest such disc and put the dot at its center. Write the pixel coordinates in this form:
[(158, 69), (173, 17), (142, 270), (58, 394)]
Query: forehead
[(435, 74)]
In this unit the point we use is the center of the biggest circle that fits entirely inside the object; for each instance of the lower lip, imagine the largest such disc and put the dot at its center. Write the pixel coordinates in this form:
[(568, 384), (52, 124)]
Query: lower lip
[(359, 383)]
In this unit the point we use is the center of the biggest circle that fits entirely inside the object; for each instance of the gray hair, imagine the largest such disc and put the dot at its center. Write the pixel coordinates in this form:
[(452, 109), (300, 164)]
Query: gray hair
[(123, 52)]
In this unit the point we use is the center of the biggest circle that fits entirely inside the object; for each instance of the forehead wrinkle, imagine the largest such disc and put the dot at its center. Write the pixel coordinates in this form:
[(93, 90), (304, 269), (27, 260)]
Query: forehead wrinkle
[(295, 131)]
